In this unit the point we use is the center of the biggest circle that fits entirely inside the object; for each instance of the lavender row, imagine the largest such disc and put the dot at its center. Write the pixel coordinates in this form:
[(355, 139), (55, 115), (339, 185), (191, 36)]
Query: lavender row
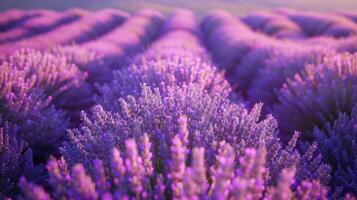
[(85, 29), (114, 50), (250, 50), (279, 26), (292, 24), (231, 43), (40, 25), (309, 90), (132, 36), (316, 24), (274, 25), (11, 18)]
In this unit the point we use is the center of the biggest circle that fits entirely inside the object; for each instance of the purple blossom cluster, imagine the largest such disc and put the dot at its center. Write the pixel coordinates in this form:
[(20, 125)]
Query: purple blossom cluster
[(111, 105)]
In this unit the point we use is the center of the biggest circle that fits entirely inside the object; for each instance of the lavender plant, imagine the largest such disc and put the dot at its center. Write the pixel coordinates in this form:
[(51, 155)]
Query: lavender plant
[(209, 119), (283, 64), (317, 95), (58, 78), (89, 61), (40, 123)]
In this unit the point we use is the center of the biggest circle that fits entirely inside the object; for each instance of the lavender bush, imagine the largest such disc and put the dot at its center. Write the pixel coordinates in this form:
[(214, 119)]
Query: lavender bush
[(41, 124), (209, 119), (58, 78), (318, 95), (283, 64)]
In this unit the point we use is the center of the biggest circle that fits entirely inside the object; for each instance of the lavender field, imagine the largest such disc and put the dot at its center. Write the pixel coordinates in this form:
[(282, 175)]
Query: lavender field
[(111, 104)]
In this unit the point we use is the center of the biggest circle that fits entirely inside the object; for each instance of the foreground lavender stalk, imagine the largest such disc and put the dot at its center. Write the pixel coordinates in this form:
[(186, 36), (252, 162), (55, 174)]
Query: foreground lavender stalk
[(230, 179)]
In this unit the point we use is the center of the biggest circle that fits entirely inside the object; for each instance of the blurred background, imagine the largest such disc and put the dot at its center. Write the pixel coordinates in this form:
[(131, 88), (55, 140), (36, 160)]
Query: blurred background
[(237, 7)]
